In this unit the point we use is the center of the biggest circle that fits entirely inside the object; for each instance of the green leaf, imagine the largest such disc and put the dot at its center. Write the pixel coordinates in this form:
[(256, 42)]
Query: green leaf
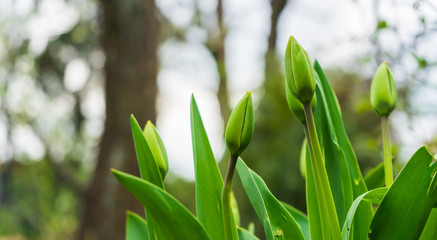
[(430, 230), (365, 212), (375, 178), (243, 234), (335, 160), (278, 222), (173, 219), (136, 227), (156, 147), (406, 206), (148, 168), (373, 196), (301, 219), (312, 201), (240, 126), (209, 182), (235, 210)]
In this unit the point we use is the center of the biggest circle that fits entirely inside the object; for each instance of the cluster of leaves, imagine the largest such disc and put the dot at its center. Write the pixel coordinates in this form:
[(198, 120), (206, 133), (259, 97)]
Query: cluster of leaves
[(405, 209)]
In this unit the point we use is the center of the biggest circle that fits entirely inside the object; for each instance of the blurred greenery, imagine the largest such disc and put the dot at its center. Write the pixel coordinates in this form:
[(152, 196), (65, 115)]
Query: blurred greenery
[(36, 203)]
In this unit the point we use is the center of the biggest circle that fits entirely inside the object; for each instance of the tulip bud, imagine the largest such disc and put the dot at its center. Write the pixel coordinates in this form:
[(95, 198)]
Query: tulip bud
[(299, 71), (383, 94), (157, 147), (295, 106), (240, 126)]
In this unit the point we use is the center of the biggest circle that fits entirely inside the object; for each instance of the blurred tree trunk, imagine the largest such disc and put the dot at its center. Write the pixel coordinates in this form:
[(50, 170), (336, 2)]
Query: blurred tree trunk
[(219, 55), (216, 45), (271, 67), (129, 38)]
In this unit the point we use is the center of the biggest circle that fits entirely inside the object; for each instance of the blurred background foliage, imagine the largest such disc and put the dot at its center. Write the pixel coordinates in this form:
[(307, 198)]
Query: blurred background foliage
[(70, 77)]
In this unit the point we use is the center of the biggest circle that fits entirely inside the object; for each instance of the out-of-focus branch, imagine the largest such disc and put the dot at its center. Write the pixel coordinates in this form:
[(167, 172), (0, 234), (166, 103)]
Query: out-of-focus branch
[(277, 7), (219, 55), (271, 66), (216, 45)]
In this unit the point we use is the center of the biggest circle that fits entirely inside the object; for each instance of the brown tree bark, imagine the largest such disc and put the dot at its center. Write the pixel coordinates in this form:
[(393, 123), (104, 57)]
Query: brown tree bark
[(129, 38)]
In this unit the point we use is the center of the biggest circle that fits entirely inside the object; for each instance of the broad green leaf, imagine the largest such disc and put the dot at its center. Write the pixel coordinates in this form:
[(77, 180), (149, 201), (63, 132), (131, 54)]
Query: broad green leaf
[(301, 219), (406, 206), (209, 182), (375, 178), (313, 210), (430, 230), (173, 219), (373, 196), (149, 169), (136, 227), (277, 221), (243, 234), (335, 161), (365, 212)]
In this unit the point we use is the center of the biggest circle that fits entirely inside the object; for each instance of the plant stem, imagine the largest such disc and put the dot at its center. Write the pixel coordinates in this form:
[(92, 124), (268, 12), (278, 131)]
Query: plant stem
[(228, 219), (388, 166), (324, 195), (324, 220)]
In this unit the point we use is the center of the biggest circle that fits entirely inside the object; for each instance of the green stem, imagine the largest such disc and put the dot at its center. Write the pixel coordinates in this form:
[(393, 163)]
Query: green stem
[(324, 195), (388, 167), (324, 220), (228, 218)]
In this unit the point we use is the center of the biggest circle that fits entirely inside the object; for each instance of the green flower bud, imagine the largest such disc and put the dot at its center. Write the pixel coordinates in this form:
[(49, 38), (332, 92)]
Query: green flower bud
[(383, 94), (157, 147), (295, 106), (240, 126), (299, 71)]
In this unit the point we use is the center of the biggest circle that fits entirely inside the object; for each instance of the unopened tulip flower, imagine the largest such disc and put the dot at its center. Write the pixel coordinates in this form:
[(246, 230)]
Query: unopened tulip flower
[(299, 72), (239, 130), (383, 94)]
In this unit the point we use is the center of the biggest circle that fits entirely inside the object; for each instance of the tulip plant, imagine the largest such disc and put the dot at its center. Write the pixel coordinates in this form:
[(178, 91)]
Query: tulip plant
[(341, 203)]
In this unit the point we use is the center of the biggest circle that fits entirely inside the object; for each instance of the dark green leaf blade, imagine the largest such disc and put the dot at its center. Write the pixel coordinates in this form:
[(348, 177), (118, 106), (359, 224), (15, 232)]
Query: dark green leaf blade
[(364, 213), (312, 201), (373, 196), (136, 227), (173, 219), (148, 169), (209, 182), (340, 131), (301, 219), (430, 230), (278, 222), (335, 160), (406, 206)]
